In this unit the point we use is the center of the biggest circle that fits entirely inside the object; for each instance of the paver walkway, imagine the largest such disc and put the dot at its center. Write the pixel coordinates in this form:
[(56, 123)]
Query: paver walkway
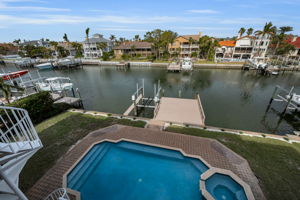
[(216, 154)]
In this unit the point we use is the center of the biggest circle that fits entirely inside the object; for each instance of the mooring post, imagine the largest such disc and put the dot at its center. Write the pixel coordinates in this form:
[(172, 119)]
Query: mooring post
[(134, 105), (288, 103), (273, 96)]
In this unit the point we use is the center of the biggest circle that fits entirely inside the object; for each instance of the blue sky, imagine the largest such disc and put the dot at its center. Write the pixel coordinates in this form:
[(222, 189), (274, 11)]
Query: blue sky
[(35, 19)]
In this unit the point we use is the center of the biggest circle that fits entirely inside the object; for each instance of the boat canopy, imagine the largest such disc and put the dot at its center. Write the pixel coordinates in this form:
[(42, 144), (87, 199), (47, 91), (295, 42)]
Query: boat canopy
[(58, 78)]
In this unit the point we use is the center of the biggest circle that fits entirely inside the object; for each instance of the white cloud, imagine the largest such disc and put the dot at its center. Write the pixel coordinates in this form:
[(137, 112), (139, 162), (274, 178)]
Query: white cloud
[(69, 19), (205, 11), (32, 8)]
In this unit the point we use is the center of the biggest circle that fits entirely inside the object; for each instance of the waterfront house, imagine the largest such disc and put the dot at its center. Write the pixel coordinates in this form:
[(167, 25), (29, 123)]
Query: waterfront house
[(295, 41), (185, 45), (67, 46), (134, 48), (226, 49), (245, 47), (92, 47), (36, 43)]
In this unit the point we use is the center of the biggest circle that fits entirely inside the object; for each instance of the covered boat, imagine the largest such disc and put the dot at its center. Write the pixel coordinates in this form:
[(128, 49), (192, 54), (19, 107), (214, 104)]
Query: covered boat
[(55, 84), (186, 64)]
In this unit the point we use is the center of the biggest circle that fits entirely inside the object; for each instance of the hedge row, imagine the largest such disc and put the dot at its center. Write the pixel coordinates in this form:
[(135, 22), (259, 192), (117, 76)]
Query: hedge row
[(40, 106)]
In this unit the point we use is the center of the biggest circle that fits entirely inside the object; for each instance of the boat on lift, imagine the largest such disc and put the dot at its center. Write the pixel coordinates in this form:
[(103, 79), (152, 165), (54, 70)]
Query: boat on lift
[(187, 64), (296, 99), (13, 75), (55, 84), (42, 66)]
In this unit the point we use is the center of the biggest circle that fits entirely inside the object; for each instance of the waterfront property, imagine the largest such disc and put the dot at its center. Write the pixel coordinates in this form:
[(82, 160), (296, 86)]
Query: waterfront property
[(295, 41), (185, 45), (109, 90), (134, 49), (93, 48), (245, 47)]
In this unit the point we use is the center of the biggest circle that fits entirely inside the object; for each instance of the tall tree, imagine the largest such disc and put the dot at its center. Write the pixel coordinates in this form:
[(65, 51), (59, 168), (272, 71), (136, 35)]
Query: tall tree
[(242, 31), (112, 37), (280, 39), (268, 29), (66, 39), (6, 89), (250, 31), (136, 38)]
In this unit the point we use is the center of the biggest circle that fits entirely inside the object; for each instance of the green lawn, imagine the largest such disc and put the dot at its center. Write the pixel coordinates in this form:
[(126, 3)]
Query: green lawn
[(276, 164), (58, 134)]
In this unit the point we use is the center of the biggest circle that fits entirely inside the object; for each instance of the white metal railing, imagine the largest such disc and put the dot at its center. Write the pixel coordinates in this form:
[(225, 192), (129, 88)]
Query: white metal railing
[(58, 194), (17, 132)]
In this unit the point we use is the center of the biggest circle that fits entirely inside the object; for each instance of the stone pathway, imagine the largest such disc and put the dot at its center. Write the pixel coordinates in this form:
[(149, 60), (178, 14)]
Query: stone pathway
[(213, 152)]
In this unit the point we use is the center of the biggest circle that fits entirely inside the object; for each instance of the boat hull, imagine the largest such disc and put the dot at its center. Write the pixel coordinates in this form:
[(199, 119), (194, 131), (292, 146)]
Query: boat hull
[(44, 66), (13, 75)]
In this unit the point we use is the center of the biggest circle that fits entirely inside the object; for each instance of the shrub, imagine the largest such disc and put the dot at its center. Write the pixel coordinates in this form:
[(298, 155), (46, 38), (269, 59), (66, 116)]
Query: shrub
[(40, 106)]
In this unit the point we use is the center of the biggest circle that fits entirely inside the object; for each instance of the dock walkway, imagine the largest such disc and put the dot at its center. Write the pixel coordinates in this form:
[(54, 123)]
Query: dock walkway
[(181, 111), (175, 67)]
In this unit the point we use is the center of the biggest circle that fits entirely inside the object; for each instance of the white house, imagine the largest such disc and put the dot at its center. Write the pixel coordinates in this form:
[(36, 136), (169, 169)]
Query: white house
[(295, 41), (244, 47), (91, 48)]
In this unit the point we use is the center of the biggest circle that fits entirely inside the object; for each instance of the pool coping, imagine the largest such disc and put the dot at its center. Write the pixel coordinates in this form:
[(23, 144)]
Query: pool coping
[(210, 172)]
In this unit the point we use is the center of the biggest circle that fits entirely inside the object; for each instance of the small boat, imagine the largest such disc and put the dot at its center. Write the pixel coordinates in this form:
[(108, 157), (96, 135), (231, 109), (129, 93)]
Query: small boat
[(13, 75), (186, 64), (47, 65), (56, 84)]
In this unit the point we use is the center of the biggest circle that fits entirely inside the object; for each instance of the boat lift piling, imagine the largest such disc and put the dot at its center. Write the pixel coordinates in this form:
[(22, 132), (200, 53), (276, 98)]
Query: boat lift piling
[(287, 97), (140, 101)]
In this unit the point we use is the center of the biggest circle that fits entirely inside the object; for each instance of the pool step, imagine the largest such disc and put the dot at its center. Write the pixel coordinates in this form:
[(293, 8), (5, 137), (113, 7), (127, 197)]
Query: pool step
[(157, 151), (199, 165), (92, 167), (79, 172)]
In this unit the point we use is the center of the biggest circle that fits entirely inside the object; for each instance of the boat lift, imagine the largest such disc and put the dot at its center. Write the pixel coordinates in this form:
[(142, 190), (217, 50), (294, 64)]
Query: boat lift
[(291, 100), (140, 101)]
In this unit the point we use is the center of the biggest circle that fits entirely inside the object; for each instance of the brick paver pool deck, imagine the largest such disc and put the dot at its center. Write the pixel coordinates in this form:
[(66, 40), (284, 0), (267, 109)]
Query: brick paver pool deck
[(213, 152)]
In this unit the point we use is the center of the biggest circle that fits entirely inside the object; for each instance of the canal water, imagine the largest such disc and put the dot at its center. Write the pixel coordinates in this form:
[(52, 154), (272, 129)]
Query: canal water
[(231, 98)]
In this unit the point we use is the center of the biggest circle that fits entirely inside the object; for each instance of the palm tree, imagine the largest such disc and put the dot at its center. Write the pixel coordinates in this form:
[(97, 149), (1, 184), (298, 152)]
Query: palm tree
[(268, 29), (242, 31), (191, 41), (66, 39), (6, 89), (102, 46), (136, 38), (281, 36), (87, 32), (112, 37), (250, 31)]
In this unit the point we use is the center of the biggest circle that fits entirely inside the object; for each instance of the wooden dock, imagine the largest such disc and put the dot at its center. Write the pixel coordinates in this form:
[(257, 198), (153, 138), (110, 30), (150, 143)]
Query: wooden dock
[(180, 111), (174, 67)]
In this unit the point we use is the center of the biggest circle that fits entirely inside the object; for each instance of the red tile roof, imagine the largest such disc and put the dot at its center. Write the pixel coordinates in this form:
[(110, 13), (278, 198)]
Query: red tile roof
[(294, 42), (227, 43)]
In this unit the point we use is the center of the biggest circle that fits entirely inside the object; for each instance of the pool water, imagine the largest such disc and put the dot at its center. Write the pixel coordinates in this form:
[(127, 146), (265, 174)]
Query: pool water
[(223, 187), (127, 170)]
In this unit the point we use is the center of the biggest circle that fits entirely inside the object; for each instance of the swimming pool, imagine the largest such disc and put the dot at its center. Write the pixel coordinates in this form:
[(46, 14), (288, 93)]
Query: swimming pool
[(128, 170)]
